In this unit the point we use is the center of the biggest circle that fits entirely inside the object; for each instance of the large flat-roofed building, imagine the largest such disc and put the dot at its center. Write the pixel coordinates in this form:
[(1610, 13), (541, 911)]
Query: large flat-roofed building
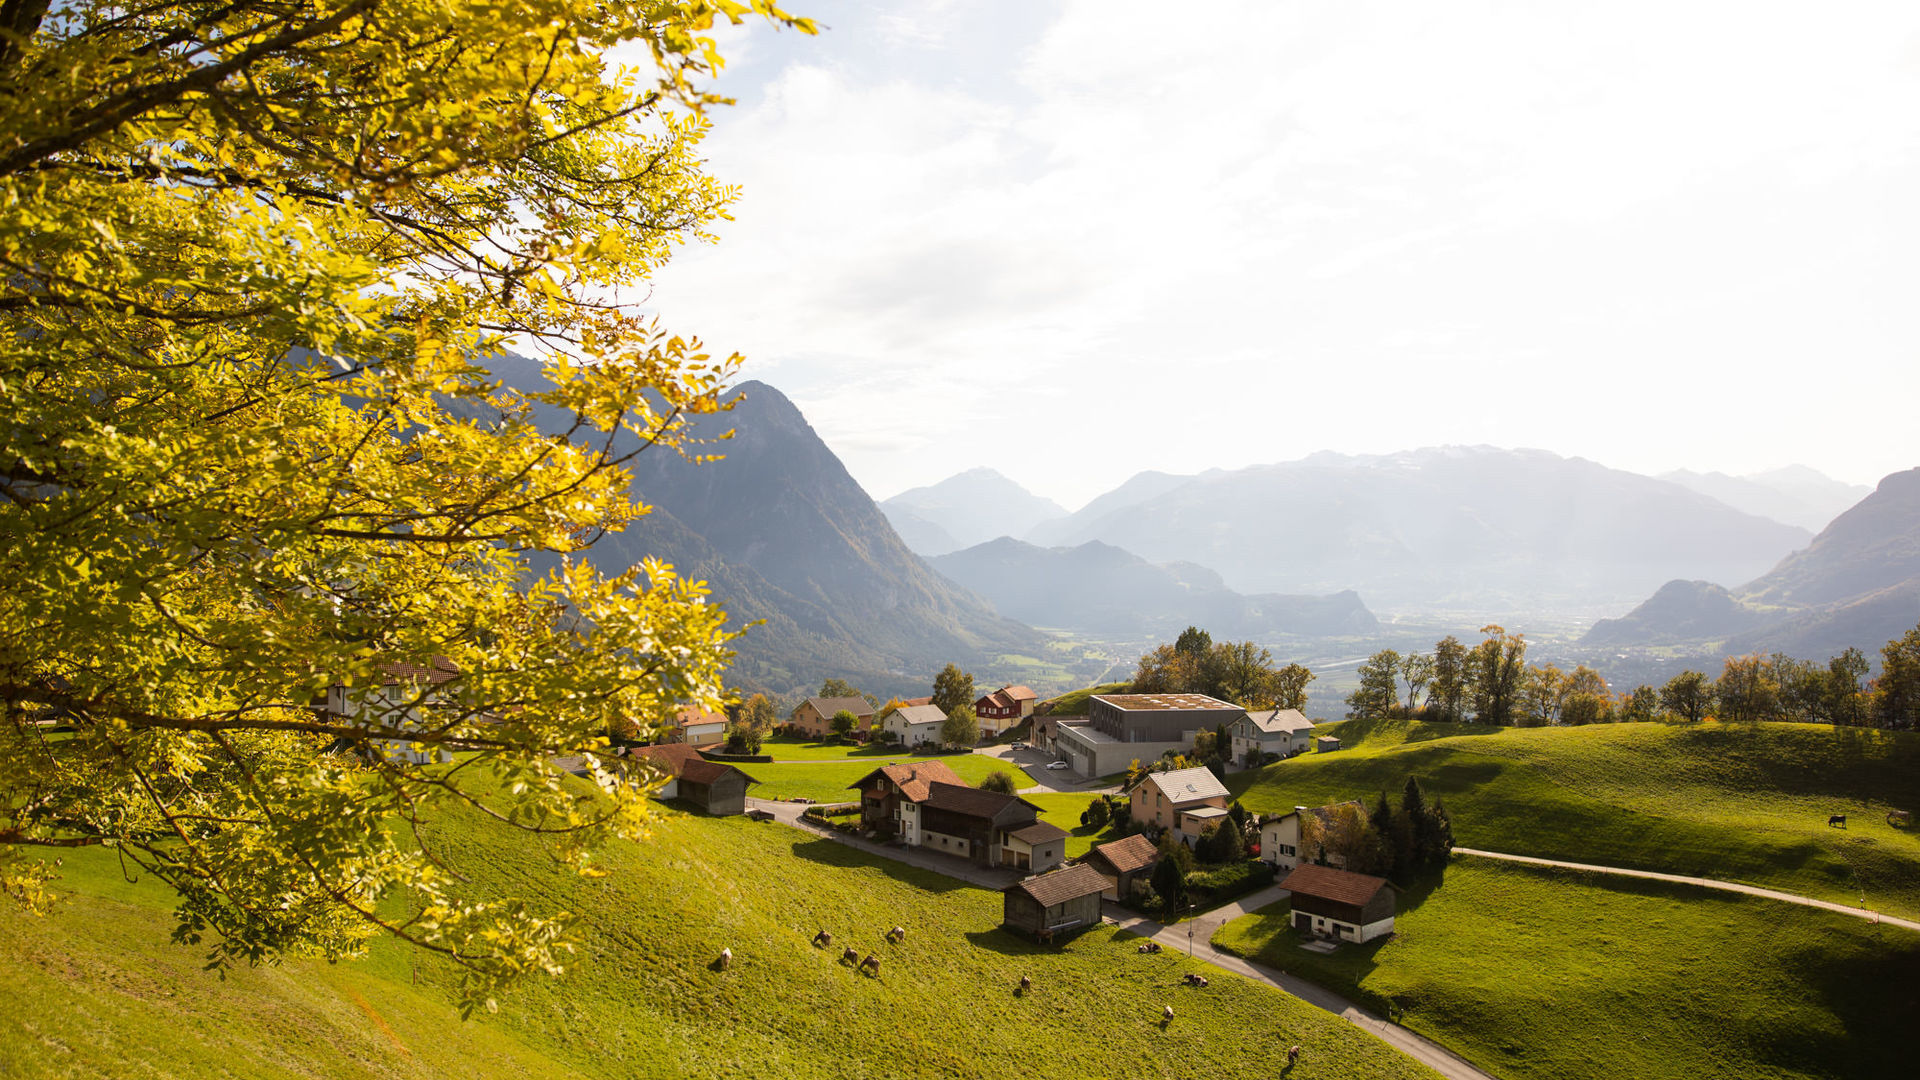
[(1122, 727), (1147, 718)]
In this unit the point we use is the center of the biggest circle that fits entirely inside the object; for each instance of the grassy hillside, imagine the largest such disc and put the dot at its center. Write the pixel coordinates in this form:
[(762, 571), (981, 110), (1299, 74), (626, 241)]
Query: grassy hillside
[(96, 991), (1074, 703), (1541, 974), (1738, 802)]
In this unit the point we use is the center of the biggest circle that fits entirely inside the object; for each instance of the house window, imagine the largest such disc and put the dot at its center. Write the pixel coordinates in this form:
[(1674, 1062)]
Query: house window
[(1286, 849)]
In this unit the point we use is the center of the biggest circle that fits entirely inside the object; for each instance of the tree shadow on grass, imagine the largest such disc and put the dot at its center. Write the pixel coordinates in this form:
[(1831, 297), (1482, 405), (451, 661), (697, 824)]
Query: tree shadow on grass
[(833, 853), (1014, 943)]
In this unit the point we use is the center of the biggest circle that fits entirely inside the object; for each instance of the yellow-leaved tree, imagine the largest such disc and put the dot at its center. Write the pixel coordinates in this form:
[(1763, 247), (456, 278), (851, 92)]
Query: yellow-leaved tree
[(265, 518)]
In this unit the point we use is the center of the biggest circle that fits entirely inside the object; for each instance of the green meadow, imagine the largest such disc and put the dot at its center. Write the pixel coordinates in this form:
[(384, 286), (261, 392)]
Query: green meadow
[(1535, 973), (1738, 802), (96, 990), (829, 781)]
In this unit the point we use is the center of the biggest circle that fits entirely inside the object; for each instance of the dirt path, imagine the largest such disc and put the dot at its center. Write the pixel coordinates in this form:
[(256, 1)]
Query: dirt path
[(1708, 883)]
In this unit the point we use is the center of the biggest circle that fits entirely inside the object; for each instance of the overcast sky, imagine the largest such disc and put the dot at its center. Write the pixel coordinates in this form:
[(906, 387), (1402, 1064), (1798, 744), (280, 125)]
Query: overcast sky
[(1075, 241)]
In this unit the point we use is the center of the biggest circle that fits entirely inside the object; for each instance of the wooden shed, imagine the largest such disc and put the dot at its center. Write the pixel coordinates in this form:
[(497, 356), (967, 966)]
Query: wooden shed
[(717, 788), (1122, 862), (1054, 903)]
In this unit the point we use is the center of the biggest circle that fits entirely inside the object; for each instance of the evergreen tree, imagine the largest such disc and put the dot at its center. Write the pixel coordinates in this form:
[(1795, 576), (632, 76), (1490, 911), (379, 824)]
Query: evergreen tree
[(1170, 882)]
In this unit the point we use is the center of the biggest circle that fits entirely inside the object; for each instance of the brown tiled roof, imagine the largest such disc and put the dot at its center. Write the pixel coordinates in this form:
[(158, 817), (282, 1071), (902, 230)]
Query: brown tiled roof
[(913, 778), (1019, 693), (971, 801), (1135, 852), (1340, 886), (1154, 702), (401, 671), (702, 771), (998, 699), (693, 715), (1037, 833), (1061, 886), (827, 706)]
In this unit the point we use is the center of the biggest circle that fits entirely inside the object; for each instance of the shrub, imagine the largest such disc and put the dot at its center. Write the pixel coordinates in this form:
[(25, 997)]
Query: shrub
[(1098, 813), (999, 781)]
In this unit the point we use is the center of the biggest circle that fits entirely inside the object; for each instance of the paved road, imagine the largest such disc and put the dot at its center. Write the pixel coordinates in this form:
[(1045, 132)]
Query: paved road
[(1046, 780), (1708, 883), (1426, 1052)]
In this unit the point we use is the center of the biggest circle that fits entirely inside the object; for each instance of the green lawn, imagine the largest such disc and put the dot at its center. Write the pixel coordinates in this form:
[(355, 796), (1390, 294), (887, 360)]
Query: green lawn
[(828, 781), (1737, 802), (1541, 974), (799, 748), (96, 990)]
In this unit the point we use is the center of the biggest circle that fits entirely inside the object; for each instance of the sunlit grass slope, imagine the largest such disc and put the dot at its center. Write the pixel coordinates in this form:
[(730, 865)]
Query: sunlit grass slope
[(1738, 802), (97, 991), (1542, 974), (829, 781)]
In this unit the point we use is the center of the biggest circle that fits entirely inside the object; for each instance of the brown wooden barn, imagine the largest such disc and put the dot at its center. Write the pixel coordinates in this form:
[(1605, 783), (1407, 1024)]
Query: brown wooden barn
[(1054, 903), (1124, 861), (713, 786)]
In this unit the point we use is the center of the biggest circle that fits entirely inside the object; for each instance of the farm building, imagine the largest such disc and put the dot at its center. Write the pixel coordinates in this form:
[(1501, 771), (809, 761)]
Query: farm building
[(1003, 709), (713, 786), (1054, 903), (1326, 743), (1122, 862), (1340, 904), (927, 806)]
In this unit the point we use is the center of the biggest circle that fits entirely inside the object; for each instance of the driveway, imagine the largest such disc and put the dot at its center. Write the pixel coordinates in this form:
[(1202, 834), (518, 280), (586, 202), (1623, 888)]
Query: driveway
[(1045, 779)]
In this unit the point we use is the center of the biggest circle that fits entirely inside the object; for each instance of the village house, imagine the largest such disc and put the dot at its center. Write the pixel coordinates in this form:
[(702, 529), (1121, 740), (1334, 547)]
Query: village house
[(914, 725), (814, 716), (697, 727), (404, 698), (925, 805), (1340, 904), (1271, 731), (715, 787), (1054, 903), (1183, 800), (1123, 862), (1280, 843), (1122, 727), (1004, 708)]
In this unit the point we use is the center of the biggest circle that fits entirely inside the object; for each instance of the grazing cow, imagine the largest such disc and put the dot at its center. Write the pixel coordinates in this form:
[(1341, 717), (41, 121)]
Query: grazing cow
[(1026, 984), (1293, 1056), (1166, 1014), (849, 955), (871, 963), (897, 934), (726, 958), (823, 939), (1837, 819)]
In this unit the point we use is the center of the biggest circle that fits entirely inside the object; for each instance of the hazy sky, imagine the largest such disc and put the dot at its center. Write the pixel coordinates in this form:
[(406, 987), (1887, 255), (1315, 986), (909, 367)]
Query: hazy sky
[(1075, 241)]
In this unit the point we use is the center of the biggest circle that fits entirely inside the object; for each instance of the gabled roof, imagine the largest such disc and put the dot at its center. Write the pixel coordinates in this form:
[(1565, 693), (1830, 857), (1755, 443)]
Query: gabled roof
[(1008, 696), (827, 706), (401, 671), (1135, 852), (1037, 833), (913, 778), (1061, 886), (684, 762), (1279, 721), (920, 714), (1019, 693), (694, 716), (958, 798), (1326, 883), (1187, 785)]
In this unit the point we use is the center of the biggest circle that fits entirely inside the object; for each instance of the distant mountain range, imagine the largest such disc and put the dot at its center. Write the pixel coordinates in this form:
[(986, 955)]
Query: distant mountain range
[(1102, 589), (1795, 495), (1473, 528), (1856, 585), (967, 509)]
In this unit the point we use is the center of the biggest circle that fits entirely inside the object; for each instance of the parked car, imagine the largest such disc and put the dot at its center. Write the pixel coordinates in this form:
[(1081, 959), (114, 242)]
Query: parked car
[(1017, 745), (1057, 765)]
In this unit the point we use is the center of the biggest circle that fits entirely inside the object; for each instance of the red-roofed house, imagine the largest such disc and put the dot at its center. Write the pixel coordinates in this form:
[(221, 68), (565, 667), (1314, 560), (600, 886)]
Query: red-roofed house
[(1339, 903), (718, 788), (1003, 709)]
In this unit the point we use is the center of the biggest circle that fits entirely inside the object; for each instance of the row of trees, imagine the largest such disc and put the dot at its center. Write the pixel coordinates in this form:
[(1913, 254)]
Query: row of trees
[(1236, 671), (1493, 684)]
